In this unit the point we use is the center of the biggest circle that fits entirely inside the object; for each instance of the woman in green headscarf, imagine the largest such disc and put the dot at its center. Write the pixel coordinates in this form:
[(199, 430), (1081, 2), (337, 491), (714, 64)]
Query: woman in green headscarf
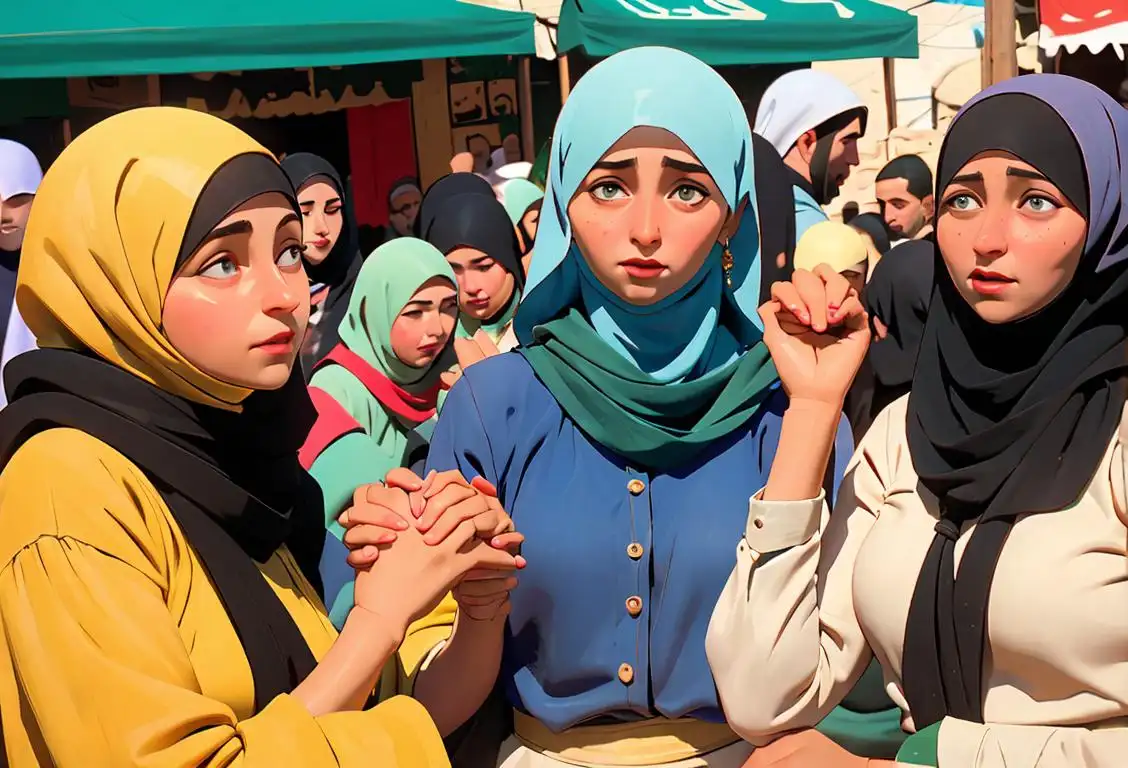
[(376, 392), (522, 200)]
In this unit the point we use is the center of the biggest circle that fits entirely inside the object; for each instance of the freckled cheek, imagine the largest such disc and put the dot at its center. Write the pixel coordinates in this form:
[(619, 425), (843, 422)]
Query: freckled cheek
[(687, 238)]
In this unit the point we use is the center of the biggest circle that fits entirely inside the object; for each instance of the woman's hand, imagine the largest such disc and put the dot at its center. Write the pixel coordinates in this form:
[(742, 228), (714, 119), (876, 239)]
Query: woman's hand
[(373, 519), (484, 595), (817, 333), (807, 749), (411, 577), (438, 505), (447, 379), (474, 349)]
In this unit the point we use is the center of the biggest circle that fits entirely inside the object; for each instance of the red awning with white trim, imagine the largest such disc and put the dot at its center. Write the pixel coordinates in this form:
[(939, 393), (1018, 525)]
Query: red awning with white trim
[(1094, 24)]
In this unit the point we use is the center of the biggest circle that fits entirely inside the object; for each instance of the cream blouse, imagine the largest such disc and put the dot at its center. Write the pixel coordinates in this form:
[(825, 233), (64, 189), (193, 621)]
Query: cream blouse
[(813, 596)]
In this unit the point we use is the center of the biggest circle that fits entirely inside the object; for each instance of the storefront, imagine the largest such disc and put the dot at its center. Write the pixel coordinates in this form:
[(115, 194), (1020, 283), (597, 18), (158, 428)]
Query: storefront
[(1087, 39), (384, 90)]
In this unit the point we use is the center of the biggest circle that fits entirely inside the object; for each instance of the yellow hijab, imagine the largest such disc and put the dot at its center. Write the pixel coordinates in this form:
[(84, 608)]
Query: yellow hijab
[(103, 238), (829, 242)]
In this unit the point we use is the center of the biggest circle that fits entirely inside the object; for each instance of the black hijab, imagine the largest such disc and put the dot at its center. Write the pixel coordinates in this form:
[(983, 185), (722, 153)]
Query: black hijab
[(339, 269), (231, 480), (872, 225), (898, 294), (303, 168), (776, 210), (458, 211), (1013, 419)]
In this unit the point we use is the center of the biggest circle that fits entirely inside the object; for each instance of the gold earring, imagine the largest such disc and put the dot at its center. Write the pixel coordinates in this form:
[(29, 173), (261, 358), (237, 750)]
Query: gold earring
[(726, 262)]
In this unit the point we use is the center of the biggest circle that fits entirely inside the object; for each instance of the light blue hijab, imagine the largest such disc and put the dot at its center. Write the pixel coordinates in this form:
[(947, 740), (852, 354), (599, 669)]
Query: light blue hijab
[(691, 332)]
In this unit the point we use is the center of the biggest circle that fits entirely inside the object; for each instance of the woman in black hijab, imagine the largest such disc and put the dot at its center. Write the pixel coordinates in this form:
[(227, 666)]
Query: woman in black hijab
[(978, 546), (462, 217), (331, 256), (896, 298)]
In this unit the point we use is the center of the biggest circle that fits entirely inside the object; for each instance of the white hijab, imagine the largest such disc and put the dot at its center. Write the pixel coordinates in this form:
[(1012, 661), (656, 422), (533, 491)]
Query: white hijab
[(20, 174), (801, 101)]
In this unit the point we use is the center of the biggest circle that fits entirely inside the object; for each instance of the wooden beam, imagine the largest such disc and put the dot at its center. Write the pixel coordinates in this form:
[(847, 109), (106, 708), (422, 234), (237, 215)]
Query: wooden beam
[(430, 106), (525, 108), (565, 79), (153, 89), (890, 93), (1000, 59)]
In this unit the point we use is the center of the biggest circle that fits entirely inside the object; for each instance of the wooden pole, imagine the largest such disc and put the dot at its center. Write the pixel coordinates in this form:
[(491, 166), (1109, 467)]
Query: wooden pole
[(153, 90), (1000, 55), (565, 79), (525, 107), (890, 93)]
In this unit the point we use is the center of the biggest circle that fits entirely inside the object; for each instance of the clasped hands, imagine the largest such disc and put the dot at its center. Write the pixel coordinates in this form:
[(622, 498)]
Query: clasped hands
[(817, 333), (454, 534)]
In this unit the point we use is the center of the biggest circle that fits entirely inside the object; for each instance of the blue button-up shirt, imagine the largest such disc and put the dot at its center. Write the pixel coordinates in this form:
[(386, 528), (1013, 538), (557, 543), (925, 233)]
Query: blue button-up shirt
[(600, 532)]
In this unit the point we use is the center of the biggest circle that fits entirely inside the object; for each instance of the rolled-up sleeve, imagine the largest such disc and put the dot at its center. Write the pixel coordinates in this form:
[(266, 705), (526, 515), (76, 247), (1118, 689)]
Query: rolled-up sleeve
[(784, 644), (94, 670)]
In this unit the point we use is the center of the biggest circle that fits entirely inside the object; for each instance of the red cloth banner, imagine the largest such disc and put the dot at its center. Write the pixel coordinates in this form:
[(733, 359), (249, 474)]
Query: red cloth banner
[(1094, 24)]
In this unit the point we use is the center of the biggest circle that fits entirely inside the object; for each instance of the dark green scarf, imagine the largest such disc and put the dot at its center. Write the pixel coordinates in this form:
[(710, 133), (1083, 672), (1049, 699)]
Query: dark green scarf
[(652, 425)]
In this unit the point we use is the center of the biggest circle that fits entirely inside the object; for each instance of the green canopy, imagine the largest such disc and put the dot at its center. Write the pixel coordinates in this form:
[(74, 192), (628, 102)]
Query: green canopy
[(741, 31), (88, 38)]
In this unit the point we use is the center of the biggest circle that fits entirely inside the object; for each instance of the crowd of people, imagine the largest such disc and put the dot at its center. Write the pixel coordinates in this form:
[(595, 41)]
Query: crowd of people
[(655, 466)]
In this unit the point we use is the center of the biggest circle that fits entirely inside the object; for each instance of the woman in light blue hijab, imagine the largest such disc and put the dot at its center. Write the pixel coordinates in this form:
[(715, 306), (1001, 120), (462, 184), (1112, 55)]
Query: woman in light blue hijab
[(627, 435)]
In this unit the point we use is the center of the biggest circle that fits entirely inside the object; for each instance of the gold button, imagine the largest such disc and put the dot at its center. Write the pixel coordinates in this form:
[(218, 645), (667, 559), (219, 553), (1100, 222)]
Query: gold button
[(626, 674), (634, 550), (634, 605), (636, 486)]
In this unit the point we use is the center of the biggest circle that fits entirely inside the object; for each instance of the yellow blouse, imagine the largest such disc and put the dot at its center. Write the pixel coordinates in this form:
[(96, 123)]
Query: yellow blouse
[(116, 650)]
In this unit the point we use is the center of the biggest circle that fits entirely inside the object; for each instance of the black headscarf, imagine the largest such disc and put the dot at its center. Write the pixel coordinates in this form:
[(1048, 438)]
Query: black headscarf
[(1013, 419), (776, 206), (458, 212), (872, 225), (231, 480), (339, 269), (898, 294), (303, 168)]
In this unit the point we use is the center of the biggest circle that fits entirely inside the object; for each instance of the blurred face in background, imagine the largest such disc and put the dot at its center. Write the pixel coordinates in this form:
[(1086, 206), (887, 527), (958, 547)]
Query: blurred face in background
[(13, 221)]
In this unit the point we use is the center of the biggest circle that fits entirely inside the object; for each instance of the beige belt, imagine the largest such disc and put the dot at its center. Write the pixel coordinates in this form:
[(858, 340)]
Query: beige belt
[(642, 742)]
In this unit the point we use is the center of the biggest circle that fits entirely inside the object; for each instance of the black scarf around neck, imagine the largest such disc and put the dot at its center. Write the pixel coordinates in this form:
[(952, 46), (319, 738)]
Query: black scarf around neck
[(1005, 420), (231, 481)]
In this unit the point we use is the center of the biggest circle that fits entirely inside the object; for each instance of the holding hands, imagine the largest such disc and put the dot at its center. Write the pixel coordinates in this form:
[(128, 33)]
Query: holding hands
[(447, 533), (817, 333)]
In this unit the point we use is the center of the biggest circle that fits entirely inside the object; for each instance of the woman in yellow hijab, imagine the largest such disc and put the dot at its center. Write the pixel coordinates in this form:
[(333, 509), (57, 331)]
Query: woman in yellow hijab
[(156, 523)]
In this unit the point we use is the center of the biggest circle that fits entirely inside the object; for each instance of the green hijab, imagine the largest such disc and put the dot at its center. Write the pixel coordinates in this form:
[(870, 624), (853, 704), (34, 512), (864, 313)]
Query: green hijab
[(496, 326), (518, 195), (386, 282)]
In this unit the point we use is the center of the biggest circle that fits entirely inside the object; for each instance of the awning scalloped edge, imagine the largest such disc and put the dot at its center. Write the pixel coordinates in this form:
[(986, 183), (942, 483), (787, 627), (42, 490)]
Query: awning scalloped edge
[(1095, 40)]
